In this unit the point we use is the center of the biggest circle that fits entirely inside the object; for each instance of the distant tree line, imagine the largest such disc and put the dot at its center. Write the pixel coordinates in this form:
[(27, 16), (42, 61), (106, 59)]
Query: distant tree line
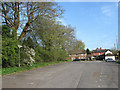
[(35, 25)]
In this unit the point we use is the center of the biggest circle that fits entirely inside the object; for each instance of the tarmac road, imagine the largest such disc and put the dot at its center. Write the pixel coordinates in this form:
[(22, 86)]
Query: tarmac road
[(90, 74)]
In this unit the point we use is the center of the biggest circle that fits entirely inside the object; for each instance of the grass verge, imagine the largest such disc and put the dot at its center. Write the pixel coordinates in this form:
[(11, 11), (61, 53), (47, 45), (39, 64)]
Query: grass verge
[(118, 62), (6, 71)]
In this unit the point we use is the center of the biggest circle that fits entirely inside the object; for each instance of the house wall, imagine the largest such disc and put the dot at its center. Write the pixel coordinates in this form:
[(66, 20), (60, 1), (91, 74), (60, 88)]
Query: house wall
[(97, 54), (94, 54), (78, 56), (102, 53), (82, 56), (71, 58)]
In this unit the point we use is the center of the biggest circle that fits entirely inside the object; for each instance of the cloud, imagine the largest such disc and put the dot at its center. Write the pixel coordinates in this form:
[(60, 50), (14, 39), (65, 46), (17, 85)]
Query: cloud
[(106, 10)]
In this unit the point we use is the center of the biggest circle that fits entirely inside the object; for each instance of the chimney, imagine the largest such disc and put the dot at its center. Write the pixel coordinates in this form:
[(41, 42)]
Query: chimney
[(100, 48), (96, 48)]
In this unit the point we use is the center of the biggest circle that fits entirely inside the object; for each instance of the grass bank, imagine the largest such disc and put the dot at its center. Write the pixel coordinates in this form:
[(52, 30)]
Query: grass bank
[(12, 70)]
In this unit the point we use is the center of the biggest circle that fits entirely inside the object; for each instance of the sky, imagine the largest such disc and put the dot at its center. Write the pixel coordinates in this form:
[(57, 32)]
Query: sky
[(96, 23)]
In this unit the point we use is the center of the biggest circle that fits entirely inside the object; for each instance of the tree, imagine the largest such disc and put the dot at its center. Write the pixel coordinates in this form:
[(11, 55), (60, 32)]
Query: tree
[(29, 42), (88, 51), (78, 45), (13, 13), (114, 51), (54, 39)]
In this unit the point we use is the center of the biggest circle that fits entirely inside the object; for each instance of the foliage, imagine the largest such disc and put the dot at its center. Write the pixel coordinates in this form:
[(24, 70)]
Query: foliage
[(118, 61), (77, 45), (88, 51), (29, 42), (9, 48)]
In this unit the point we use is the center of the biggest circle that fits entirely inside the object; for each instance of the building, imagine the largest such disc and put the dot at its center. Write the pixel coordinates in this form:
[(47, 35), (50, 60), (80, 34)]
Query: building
[(99, 51), (79, 54), (101, 54)]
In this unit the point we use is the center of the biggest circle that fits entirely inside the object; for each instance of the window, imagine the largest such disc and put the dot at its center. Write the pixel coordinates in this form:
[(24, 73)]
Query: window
[(82, 54)]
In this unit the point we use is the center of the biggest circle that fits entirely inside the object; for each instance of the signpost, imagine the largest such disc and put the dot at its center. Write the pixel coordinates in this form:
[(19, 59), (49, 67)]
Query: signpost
[(19, 53)]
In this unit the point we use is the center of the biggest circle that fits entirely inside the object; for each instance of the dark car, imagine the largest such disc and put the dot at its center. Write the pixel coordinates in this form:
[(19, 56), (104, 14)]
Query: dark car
[(109, 60), (76, 60)]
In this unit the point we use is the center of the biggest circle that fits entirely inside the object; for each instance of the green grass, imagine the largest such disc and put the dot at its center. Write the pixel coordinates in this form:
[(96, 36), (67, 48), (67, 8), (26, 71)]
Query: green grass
[(11, 70), (0, 71), (118, 62)]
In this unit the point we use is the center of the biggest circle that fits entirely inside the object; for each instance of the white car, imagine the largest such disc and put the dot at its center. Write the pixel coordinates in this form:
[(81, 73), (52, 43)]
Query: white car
[(109, 60)]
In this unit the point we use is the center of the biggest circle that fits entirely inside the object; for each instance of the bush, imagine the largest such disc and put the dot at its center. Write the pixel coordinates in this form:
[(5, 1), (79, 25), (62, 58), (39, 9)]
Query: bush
[(9, 49), (41, 54)]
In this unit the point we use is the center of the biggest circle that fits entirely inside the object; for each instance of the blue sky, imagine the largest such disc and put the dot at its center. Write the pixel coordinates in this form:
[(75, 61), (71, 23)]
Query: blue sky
[(96, 22)]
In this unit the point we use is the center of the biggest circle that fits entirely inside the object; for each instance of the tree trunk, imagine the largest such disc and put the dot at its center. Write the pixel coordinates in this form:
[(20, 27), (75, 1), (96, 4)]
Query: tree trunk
[(24, 31), (21, 36)]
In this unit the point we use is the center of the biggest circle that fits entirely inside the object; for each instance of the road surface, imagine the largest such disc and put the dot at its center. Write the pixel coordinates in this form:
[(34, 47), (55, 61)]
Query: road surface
[(77, 74)]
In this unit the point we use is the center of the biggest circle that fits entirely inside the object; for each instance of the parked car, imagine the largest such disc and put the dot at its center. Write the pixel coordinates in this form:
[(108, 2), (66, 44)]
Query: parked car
[(109, 60), (82, 59), (76, 60)]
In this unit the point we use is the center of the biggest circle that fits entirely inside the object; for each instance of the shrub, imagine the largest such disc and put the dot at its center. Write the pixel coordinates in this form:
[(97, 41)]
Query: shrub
[(9, 49)]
